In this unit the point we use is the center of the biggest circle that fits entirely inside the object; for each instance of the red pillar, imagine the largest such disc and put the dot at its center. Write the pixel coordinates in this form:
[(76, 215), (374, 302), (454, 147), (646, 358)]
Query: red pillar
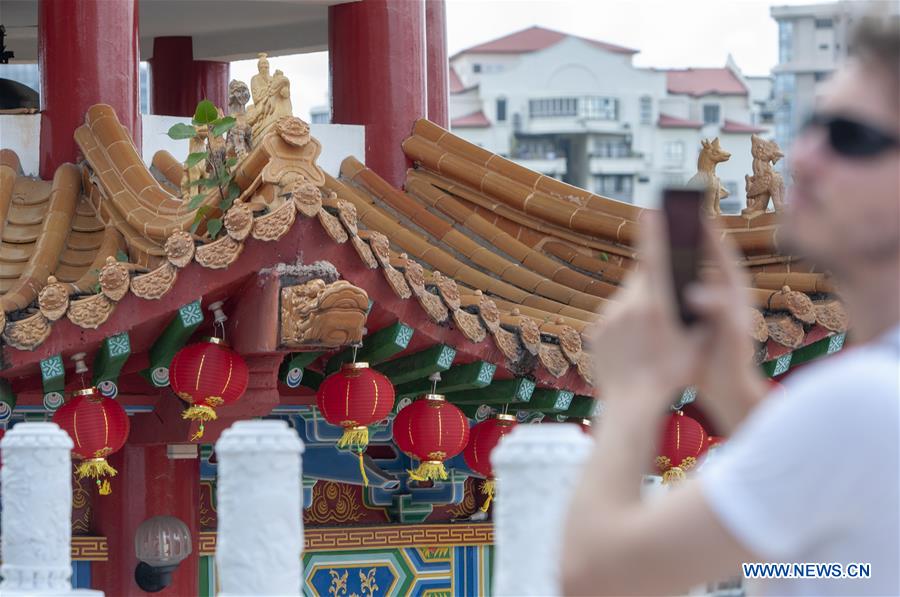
[(148, 484), (376, 51), (438, 66), (88, 53), (178, 82)]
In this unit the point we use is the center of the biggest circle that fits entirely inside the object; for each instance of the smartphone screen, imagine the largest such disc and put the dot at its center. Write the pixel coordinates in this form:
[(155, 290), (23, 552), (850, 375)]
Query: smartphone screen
[(682, 210)]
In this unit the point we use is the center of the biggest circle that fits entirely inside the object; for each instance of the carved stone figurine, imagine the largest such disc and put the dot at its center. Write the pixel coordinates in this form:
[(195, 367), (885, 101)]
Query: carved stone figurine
[(275, 105), (765, 183), (710, 155), (239, 139)]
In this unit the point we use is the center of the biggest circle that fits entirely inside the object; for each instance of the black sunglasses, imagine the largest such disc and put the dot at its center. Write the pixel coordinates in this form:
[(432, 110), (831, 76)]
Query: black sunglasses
[(851, 138)]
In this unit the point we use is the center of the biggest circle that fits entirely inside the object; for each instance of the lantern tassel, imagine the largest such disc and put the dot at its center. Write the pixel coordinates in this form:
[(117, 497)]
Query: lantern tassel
[(200, 413), (487, 488), (362, 469), (95, 468), (354, 437), (105, 487), (673, 475), (429, 470)]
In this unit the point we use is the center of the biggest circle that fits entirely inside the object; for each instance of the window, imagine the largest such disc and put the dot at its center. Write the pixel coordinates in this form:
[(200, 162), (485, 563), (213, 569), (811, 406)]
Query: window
[(674, 151), (646, 110), (785, 41), (551, 107), (476, 68), (614, 147), (824, 23), (319, 116), (824, 46), (617, 186), (711, 113), (501, 110), (821, 76), (600, 108)]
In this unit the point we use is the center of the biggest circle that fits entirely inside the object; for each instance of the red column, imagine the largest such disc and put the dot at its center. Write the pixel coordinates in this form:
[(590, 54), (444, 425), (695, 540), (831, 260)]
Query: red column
[(376, 50), (148, 484), (438, 66), (178, 82), (88, 53)]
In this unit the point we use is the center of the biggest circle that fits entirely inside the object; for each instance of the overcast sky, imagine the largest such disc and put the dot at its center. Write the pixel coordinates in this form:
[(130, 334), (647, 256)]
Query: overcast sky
[(668, 33)]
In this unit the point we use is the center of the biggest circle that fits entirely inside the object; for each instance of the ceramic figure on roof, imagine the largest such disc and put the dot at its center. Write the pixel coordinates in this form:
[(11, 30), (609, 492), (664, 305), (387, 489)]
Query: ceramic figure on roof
[(710, 155), (239, 140), (765, 183)]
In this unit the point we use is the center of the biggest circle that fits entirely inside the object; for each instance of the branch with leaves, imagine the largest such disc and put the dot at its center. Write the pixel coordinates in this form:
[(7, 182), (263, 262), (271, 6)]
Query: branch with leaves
[(220, 171)]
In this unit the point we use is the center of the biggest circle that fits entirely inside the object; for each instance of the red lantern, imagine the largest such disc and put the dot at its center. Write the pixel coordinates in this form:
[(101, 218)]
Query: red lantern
[(98, 427), (433, 431), (353, 398), (483, 438), (207, 375), (684, 440)]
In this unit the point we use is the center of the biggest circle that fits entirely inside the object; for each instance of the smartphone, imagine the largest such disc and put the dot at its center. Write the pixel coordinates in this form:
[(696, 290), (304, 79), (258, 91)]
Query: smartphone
[(681, 207)]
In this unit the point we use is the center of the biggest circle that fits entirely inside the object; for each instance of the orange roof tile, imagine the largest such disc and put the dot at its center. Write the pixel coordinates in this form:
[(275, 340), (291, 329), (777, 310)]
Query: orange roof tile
[(534, 39), (704, 81)]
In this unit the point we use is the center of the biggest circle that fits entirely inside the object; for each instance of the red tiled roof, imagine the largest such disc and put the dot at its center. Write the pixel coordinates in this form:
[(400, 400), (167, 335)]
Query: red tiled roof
[(534, 39), (456, 84), (673, 122), (730, 126), (472, 121), (703, 81)]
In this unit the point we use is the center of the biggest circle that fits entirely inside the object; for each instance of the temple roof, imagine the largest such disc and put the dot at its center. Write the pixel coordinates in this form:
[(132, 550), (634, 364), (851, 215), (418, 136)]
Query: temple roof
[(497, 269)]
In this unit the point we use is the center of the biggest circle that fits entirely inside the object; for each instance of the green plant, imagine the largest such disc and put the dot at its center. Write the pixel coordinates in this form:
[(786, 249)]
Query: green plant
[(222, 175)]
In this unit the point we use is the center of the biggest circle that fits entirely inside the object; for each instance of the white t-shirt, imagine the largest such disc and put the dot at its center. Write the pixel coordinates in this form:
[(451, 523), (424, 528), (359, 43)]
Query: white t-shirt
[(813, 475)]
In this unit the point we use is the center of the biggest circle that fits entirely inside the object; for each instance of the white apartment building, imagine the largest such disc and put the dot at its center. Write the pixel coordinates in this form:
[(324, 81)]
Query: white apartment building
[(579, 110), (813, 40)]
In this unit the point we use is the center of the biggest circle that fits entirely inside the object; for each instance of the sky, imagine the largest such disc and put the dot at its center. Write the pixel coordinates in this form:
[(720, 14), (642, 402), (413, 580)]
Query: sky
[(668, 33)]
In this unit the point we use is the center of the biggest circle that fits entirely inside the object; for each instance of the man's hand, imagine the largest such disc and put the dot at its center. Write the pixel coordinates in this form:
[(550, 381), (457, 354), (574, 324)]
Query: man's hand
[(641, 343)]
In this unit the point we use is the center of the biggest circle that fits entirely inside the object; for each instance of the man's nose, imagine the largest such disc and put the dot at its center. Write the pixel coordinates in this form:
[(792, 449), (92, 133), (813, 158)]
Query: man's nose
[(809, 152)]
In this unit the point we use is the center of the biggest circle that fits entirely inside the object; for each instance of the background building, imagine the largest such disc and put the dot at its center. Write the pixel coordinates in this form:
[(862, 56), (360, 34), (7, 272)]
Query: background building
[(812, 41), (577, 109)]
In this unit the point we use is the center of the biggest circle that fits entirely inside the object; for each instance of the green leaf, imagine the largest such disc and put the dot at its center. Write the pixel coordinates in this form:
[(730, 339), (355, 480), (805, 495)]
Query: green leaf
[(223, 125), (234, 191), (231, 162), (208, 183), (181, 131), (604, 257), (213, 227), (195, 225), (195, 201), (195, 158), (121, 256), (206, 113)]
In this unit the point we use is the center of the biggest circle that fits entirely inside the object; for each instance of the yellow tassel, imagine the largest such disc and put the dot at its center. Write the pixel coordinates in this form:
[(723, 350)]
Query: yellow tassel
[(105, 487), (95, 468), (354, 437), (200, 413), (429, 470), (673, 475), (362, 470), (487, 488)]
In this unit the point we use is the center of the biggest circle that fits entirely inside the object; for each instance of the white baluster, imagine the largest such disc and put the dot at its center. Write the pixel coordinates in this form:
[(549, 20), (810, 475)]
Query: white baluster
[(260, 505), (37, 511), (537, 467)]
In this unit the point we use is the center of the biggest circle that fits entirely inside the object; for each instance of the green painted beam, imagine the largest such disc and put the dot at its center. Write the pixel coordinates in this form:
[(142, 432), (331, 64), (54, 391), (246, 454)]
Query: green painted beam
[(550, 401), (291, 371), (110, 358), (582, 407), (312, 379), (176, 335), (499, 392), (376, 348), (436, 359), (7, 400), (470, 376)]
